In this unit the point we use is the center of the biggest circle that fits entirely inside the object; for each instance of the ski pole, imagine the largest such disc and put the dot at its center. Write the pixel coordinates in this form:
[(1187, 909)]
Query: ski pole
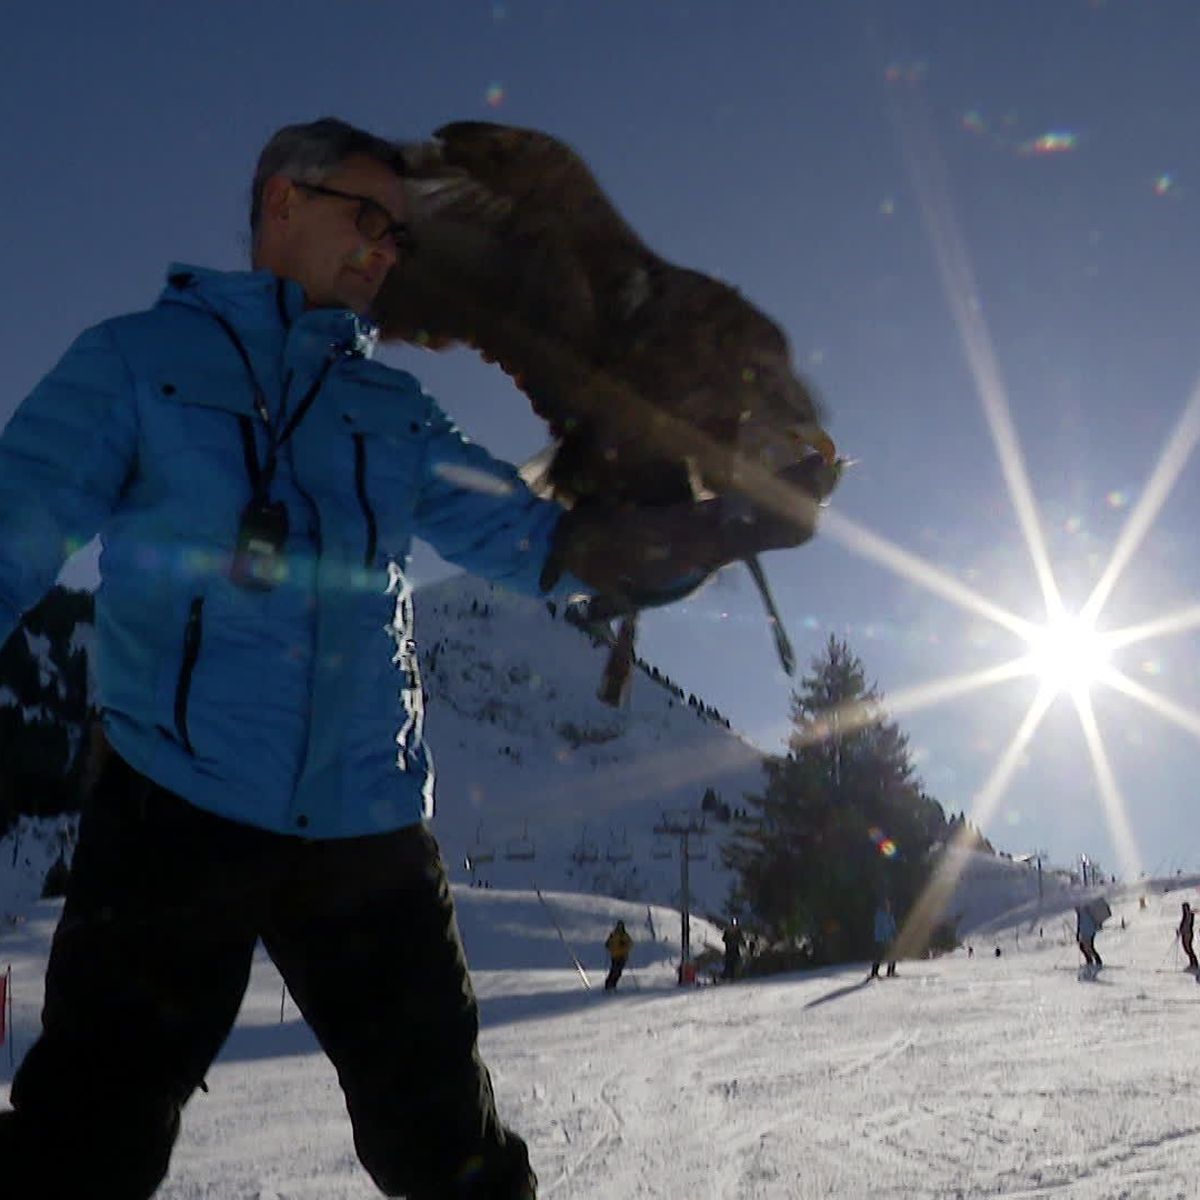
[(1174, 939), (6, 1001), (587, 983)]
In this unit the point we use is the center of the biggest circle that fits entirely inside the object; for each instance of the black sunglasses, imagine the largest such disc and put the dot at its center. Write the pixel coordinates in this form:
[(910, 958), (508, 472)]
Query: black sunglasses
[(372, 220)]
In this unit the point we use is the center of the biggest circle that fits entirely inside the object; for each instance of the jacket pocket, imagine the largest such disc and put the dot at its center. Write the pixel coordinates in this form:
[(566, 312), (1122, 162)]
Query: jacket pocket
[(192, 632), (388, 443)]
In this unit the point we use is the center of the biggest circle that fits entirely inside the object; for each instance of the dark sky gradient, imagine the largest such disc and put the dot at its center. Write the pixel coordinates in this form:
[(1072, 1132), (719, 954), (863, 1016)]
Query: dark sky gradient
[(762, 142)]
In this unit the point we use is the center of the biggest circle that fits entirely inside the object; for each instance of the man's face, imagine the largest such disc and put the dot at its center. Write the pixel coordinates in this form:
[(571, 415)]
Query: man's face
[(319, 244)]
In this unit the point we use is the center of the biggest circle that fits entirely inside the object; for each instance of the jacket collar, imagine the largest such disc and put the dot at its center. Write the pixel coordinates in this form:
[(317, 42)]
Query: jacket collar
[(262, 301)]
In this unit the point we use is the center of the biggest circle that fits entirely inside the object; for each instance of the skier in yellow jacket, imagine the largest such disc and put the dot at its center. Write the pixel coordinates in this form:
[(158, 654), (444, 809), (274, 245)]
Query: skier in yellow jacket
[(618, 944)]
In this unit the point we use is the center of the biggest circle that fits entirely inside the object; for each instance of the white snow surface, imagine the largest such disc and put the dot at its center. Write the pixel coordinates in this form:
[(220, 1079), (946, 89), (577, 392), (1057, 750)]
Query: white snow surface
[(962, 1077)]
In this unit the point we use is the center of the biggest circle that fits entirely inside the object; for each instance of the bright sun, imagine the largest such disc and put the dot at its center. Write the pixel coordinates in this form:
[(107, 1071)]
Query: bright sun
[(1068, 655)]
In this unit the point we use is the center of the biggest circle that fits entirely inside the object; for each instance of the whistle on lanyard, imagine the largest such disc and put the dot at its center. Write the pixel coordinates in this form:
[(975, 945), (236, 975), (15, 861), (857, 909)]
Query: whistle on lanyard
[(258, 561)]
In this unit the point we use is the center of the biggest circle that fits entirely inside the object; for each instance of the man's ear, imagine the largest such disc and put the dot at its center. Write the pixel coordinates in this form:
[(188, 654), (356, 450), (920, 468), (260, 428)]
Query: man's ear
[(278, 197)]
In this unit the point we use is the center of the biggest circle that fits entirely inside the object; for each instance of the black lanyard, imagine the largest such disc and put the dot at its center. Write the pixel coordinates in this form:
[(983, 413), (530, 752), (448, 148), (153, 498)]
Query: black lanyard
[(261, 477)]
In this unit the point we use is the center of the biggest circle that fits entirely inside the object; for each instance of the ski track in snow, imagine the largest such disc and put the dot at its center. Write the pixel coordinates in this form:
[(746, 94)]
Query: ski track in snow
[(961, 1078)]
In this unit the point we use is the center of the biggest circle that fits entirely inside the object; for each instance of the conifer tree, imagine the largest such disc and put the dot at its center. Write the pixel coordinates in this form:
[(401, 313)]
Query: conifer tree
[(842, 820)]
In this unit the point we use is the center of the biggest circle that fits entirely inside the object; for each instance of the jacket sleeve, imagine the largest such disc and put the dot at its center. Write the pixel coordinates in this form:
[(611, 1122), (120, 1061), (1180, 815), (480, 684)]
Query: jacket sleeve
[(478, 513), (64, 458)]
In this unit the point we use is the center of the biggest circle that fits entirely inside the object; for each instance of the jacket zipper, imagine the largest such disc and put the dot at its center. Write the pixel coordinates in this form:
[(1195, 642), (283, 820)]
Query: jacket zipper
[(360, 486), (191, 651)]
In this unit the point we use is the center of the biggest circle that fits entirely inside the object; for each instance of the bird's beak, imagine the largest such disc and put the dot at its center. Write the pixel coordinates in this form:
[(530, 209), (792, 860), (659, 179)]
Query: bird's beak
[(820, 441)]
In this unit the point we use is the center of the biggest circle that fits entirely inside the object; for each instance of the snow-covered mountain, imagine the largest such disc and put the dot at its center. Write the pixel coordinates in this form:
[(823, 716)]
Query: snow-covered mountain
[(530, 762)]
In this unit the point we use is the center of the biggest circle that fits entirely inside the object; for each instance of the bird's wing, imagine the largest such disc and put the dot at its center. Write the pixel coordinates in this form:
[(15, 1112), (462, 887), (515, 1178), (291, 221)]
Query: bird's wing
[(519, 253), (508, 226)]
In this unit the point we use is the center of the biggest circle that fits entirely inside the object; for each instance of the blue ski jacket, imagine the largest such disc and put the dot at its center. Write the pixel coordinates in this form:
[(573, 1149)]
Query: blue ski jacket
[(299, 708), (885, 925)]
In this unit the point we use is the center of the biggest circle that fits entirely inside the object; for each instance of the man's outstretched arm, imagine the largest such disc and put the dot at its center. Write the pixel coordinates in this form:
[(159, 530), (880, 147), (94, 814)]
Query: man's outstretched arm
[(64, 457)]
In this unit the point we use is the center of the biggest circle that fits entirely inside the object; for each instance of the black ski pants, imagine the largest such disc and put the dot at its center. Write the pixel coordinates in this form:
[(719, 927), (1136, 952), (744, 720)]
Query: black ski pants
[(883, 950), (1193, 965), (1090, 954), (146, 975)]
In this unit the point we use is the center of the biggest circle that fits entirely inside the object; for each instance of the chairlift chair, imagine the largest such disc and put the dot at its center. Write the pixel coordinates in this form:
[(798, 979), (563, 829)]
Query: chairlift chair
[(586, 851), (481, 852), (521, 849), (618, 849), (661, 848)]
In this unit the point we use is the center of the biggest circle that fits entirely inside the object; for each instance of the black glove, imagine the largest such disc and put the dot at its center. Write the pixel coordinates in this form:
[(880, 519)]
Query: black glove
[(641, 557)]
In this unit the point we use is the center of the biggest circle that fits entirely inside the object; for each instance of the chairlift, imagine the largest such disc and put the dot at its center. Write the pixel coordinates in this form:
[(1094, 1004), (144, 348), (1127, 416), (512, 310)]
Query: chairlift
[(521, 849), (481, 852), (697, 850), (586, 851), (661, 848), (618, 849)]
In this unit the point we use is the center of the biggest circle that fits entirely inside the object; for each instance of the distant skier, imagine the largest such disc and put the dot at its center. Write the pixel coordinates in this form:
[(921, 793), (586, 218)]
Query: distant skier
[(1186, 924), (1085, 934), (733, 939), (885, 936), (618, 944)]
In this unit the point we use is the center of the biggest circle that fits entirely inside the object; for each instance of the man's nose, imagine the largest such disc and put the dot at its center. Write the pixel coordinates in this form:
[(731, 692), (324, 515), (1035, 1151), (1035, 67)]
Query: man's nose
[(381, 254)]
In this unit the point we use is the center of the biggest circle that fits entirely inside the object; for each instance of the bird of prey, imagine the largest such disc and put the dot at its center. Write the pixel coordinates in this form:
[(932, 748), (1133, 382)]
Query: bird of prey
[(659, 384)]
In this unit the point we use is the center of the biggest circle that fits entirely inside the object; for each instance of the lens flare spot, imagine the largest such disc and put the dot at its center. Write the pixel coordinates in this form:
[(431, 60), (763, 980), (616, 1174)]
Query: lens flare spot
[(1053, 141), (494, 97), (906, 72), (1116, 499), (1163, 184), (473, 479)]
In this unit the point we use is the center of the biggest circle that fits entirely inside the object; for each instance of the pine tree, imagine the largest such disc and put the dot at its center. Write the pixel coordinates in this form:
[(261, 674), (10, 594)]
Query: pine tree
[(842, 820), (45, 707)]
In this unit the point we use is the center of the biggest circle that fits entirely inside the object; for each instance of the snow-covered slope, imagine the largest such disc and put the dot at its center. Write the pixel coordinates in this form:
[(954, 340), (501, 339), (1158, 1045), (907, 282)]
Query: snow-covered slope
[(962, 1077), (26, 854), (993, 891), (529, 760)]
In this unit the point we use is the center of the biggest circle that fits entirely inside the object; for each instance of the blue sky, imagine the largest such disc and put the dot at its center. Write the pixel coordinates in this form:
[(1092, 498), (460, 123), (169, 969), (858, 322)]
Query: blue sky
[(764, 142)]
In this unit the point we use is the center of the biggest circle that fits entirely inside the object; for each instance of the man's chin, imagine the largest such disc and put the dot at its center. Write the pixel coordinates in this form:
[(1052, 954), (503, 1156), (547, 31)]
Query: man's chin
[(356, 300)]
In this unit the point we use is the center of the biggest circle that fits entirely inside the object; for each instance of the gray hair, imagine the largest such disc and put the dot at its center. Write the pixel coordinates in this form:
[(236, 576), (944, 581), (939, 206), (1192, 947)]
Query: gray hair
[(309, 152)]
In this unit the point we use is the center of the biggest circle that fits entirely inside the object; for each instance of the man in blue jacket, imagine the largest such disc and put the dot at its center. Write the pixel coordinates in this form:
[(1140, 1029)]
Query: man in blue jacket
[(256, 480)]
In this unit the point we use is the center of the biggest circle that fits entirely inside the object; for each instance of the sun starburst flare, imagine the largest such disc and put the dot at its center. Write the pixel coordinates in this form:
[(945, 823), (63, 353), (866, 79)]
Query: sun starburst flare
[(1066, 653)]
